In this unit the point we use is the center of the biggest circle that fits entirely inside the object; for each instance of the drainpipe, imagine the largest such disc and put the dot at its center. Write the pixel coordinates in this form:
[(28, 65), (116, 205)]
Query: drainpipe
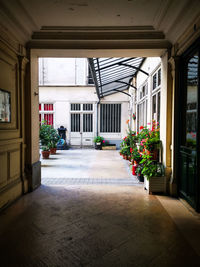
[(98, 117)]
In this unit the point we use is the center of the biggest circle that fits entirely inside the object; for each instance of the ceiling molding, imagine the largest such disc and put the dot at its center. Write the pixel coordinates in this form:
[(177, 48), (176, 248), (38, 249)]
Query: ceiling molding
[(95, 35), (26, 15), (13, 20), (161, 13), (97, 28), (189, 36), (181, 23), (97, 44)]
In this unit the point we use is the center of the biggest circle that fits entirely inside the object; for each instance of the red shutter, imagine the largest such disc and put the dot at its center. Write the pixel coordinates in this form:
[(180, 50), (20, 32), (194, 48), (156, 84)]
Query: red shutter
[(48, 107), (49, 119)]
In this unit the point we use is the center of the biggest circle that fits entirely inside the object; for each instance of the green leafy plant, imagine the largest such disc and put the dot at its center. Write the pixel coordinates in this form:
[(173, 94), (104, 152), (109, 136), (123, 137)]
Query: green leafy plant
[(45, 148), (126, 150), (136, 156), (45, 136), (54, 138), (151, 168), (98, 139)]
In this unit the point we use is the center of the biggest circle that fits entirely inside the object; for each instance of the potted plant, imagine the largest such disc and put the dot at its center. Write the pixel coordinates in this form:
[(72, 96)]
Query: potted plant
[(98, 140), (45, 152), (45, 139), (154, 179), (54, 138), (138, 171)]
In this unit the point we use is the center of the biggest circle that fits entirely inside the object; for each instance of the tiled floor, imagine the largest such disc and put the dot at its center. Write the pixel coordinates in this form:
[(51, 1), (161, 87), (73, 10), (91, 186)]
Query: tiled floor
[(80, 223), (92, 225), (88, 181)]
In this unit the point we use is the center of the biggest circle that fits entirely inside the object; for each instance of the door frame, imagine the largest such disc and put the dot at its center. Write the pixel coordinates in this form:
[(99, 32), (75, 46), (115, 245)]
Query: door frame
[(195, 47), (81, 112)]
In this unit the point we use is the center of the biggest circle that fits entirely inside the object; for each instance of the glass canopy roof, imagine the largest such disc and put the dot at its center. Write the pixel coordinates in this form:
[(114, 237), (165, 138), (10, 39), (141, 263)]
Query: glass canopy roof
[(112, 75)]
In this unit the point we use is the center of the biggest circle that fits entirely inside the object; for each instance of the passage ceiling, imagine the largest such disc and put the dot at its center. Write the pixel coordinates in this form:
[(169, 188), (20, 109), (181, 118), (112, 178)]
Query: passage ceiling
[(113, 75)]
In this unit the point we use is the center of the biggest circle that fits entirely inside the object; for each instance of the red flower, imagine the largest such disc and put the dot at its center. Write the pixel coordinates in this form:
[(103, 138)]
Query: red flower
[(141, 127)]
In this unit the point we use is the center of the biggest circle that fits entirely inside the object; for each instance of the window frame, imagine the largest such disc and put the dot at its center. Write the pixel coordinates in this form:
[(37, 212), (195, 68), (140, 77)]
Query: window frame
[(42, 112), (120, 119)]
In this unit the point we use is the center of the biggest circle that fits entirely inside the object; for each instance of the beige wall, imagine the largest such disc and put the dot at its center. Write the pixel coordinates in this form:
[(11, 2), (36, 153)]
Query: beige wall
[(12, 146)]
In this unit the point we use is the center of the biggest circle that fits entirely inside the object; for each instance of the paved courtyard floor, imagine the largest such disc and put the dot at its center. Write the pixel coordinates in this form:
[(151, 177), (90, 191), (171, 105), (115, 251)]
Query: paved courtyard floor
[(87, 166), (98, 225)]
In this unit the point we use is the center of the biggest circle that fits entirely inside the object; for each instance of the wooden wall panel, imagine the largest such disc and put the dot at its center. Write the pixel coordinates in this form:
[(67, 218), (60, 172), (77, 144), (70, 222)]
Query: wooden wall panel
[(14, 164), (3, 169)]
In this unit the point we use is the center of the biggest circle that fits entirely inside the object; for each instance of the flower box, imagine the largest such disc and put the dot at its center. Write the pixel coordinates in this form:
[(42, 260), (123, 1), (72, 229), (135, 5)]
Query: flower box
[(156, 184), (109, 147)]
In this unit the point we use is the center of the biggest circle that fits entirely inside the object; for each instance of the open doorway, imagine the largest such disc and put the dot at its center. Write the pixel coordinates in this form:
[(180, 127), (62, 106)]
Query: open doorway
[(69, 99)]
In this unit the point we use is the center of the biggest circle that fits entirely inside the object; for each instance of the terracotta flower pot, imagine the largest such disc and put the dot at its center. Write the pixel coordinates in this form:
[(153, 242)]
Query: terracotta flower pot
[(45, 154), (53, 150), (134, 167)]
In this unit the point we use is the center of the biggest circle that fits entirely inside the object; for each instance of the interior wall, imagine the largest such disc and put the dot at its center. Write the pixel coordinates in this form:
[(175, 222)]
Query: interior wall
[(12, 143)]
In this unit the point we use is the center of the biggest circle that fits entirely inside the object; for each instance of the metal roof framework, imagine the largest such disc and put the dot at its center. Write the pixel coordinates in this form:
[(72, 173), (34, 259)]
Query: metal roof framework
[(113, 75)]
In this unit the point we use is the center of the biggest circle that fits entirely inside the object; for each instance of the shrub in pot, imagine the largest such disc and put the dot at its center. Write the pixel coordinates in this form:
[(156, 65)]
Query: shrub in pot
[(45, 138), (98, 140), (154, 179), (45, 152), (54, 138)]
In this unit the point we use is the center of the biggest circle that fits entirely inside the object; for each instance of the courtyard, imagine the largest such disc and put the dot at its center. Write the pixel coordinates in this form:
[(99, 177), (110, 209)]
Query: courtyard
[(87, 166)]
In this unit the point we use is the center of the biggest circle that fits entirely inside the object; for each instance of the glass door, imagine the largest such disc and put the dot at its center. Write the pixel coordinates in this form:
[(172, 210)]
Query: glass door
[(188, 183), (82, 128)]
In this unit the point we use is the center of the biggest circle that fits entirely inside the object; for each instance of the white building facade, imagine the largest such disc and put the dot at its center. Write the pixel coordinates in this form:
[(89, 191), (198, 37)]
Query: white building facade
[(147, 98), (68, 98)]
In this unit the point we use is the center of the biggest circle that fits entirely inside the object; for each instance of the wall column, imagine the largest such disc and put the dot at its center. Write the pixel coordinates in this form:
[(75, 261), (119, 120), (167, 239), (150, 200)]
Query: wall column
[(166, 115), (174, 63), (22, 68), (33, 164)]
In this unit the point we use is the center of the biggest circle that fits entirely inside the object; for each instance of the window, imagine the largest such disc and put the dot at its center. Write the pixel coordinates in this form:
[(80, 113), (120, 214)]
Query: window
[(90, 79), (75, 122), (75, 106), (156, 107), (46, 113), (156, 96), (156, 79), (87, 123), (110, 118), (142, 113), (142, 106), (87, 107), (159, 77), (143, 91)]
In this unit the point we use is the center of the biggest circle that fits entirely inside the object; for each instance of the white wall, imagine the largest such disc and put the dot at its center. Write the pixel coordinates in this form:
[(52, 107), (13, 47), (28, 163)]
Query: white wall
[(61, 97), (63, 71), (149, 65)]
